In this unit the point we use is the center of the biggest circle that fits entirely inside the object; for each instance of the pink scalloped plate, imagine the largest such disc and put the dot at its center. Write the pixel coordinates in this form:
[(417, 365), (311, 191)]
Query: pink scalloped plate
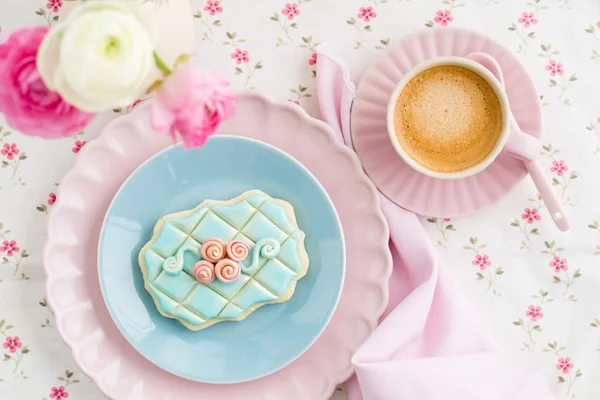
[(398, 181), (74, 225)]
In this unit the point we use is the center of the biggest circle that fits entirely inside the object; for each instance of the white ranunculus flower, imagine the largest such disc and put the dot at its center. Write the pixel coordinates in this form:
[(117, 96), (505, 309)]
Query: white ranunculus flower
[(101, 56)]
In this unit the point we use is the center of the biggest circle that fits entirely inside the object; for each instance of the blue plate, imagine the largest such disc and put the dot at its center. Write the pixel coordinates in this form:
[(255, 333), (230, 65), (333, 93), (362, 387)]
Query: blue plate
[(272, 336)]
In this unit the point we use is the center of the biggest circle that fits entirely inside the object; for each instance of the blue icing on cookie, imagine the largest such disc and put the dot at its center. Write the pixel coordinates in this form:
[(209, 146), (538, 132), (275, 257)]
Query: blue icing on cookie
[(260, 221)]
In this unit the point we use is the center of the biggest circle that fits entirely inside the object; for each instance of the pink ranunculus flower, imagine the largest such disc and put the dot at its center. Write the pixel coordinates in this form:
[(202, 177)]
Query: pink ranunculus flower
[(26, 102), (534, 312), (366, 13), (559, 264), (482, 261), (10, 247), (12, 344), (442, 17), (192, 103), (555, 68), (564, 364), (58, 393), (290, 10), (530, 215), (527, 19), (559, 167)]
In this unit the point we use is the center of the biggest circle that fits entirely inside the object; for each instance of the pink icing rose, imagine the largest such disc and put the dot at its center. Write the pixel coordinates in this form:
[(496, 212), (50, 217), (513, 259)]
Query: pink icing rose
[(192, 103), (26, 102)]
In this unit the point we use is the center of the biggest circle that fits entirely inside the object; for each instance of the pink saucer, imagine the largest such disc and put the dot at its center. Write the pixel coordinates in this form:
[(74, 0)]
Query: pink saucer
[(70, 258), (394, 178)]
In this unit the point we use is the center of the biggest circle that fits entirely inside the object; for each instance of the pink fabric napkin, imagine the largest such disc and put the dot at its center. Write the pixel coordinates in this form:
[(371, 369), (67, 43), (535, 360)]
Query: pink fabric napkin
[(430, 344)]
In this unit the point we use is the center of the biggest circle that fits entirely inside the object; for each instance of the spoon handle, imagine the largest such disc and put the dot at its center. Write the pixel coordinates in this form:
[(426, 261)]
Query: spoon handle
[(555, 208)]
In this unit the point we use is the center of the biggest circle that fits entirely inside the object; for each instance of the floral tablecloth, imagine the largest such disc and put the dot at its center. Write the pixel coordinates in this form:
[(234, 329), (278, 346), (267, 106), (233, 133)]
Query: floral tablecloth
[(538, 288)]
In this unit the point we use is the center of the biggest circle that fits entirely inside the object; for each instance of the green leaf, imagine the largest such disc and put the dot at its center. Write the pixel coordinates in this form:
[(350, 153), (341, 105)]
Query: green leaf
[(41, 12), (590, 29), (24, 253), (68, 374), (555, 181), (534, 231), (553, 345), (351, 21), (432, 220), (513, 27), (555, 279), (230, 36), (238, 71), (198, 14), (60, 378), (294, 25), (578, 373), (4, 260), (531, 35), (547, 244), (23, 156), (217, 22), (518, 323), (25, 350), (75, 381), (9, 327), (429, 24), (537, 328), (275, 17), (160, 64), (258, 65), (544, 47), (479, 276), (543, 293), (5, 134), (182, 59), (573, 78), (561, 379), (2, 323), (577, 273), (55, 18), (552, 83), (4, 164), (368, 28), (450, 227), (573, 175), (301, 88), (6, 357), (473, 240), (41, 208), (499, 271), (467, 248), (305, 40)]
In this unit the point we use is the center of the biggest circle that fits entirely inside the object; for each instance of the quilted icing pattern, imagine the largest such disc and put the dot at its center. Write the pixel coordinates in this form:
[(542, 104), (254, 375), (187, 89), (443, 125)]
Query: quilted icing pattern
[(249, 217)]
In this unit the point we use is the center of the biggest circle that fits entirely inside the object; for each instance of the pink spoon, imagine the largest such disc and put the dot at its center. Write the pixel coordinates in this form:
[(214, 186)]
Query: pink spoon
[(556, 209)]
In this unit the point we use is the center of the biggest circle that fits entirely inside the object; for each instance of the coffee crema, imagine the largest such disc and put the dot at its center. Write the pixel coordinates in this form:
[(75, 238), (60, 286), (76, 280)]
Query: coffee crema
[(448, 118)]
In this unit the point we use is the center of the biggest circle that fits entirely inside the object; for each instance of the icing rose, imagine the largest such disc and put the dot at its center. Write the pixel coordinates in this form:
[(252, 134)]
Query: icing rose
[(227, 270), (237, 250), (213, 250), (204, 271)]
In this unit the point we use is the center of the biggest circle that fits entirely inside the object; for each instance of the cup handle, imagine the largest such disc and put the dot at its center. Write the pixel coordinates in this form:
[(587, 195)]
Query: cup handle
[(522, 146), (489, 63)]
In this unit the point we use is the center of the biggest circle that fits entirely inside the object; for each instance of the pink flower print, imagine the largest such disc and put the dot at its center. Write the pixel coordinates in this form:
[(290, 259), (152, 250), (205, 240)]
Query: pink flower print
[(78, 146), (240, 56), (313, 60), (531, 215), (527, 19), (10, 150), (10, 248), (559, 264), (482, 261), (366, 13), (534, 312), (54, 5), (442, 17), (12, 344), (291, 10), (447, 219), (294, 101), (59, 393), (555, 68), (564, 364), (213, 7), (598, 24), (559, 167), (51, 198)]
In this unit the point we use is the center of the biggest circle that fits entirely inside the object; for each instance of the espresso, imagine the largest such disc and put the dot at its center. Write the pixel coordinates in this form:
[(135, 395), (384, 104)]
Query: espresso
[(448, 119)]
